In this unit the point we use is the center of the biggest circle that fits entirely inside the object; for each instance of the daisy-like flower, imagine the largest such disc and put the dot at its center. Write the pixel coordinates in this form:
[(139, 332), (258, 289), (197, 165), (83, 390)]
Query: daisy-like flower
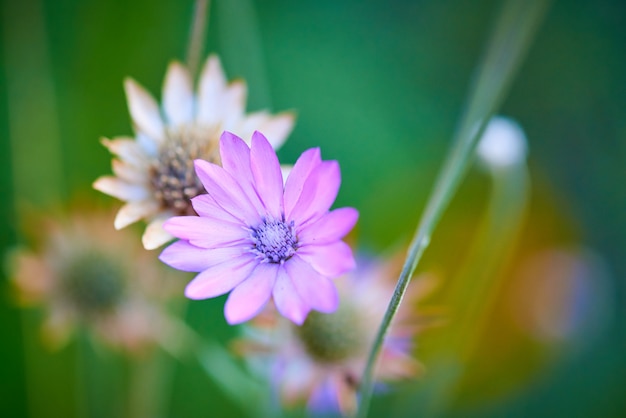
[(154, 172), (322, 361), (86, 274), (261, 239)]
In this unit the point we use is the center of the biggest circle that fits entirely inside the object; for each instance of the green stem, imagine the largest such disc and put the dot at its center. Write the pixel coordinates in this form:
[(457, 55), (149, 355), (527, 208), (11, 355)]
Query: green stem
[(197, 35), (241, 48), (151, 378), (514, 28)]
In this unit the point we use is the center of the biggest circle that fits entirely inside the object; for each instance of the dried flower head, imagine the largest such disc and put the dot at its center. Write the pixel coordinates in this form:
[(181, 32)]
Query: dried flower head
[(87, 274), (154, 172), (261, 239), (322, 361)]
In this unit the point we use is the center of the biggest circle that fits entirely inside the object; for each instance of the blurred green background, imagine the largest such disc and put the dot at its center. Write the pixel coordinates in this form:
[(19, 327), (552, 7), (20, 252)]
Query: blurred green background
[(378, 86)]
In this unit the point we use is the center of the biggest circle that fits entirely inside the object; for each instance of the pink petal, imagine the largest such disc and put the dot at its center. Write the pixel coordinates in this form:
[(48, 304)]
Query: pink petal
[(205, 232), (298, 175), (318, 194), (329, 228), (226, 192), (207, 207), (330, 260), (187, 257), (268, 177), (235, 155), (288, 302), (317, 291), (247, 299), (221, 278)]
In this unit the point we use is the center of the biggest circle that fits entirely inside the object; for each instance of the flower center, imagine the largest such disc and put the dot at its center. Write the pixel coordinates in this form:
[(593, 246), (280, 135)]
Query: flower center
[(333, 338), (173, 177), (274, 241), (93, 283)]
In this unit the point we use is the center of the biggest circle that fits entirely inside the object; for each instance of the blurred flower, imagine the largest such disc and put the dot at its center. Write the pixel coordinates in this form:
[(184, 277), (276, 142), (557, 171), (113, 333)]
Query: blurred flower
[(258, 239), (87, 274), (154, 173), (322, 361), (503, 143), (562, 295)]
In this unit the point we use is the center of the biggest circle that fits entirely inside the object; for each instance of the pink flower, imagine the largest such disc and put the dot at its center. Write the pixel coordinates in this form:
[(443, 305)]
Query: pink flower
[(261, 239)]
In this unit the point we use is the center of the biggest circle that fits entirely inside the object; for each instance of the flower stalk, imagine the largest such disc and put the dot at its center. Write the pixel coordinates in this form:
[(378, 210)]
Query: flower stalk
[(515, 26), (197, 35)]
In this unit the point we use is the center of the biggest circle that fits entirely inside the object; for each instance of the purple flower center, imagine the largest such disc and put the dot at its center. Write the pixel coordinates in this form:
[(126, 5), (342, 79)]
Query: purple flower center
[(274, 241)]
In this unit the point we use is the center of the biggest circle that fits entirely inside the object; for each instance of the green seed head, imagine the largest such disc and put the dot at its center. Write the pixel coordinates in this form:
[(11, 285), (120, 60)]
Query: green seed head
[(332, 338), (93, 283)]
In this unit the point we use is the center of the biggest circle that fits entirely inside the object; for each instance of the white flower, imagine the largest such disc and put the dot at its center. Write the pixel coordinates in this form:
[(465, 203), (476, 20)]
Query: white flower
[(154, 172)]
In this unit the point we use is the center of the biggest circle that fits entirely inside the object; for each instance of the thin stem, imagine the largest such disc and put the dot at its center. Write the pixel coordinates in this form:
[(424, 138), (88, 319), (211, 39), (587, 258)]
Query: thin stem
[(509, 41), (197, 35), (241, 47)]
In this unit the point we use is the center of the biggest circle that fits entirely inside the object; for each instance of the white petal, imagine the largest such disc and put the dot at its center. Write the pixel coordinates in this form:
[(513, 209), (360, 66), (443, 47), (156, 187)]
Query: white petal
[(143, 110), (212, 88), (121, 189), (128, 172), (149, 146), (127, 149), (274, 128), (134, 211), (178, 100), (155, 235), (277, 128), (233, 104)]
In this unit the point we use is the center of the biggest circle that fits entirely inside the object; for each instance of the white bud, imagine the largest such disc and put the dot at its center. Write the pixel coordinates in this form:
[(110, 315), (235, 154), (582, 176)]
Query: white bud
[(503, 143)]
